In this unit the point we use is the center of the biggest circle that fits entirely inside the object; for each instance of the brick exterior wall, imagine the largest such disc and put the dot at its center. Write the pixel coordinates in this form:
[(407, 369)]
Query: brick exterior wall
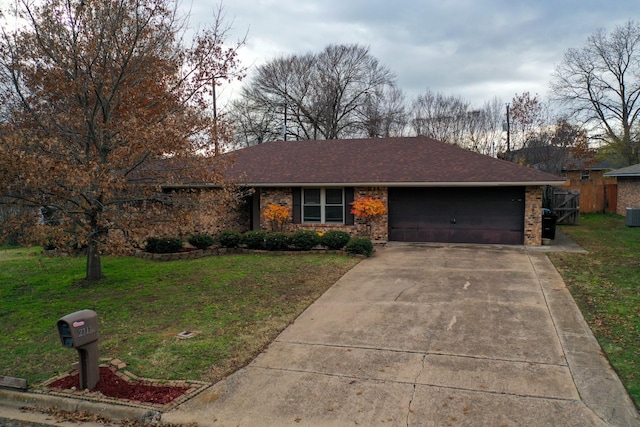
[(628, 194), (212, 212), (533, 216), (379, 227), (275, 196), (237, 218)]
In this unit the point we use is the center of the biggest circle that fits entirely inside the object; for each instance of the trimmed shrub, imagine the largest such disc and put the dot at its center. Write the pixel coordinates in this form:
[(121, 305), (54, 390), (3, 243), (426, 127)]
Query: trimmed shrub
[(304, 240), (163, 245), (201, 240), (230, 238), (335, 239), (360, 246), (254, 239), (48, 245), (277, 241)]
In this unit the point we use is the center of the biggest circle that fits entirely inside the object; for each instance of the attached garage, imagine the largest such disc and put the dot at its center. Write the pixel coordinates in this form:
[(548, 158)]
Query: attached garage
[(457, 214)]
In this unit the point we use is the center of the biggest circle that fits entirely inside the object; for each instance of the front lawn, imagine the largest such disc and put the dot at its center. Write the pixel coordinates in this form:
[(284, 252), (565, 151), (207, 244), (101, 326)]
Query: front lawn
[(606, 286), (237, 303)]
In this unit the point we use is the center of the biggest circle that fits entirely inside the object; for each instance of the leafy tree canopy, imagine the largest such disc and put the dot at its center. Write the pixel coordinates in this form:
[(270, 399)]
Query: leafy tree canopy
[(94, 92)]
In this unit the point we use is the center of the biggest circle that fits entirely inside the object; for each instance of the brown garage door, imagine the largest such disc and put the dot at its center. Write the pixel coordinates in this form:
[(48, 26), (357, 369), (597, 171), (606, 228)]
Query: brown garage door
[(457, 215)]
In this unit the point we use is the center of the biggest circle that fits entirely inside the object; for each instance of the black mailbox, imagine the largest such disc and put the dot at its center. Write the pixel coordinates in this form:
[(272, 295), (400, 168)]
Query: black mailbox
[(79, 330)]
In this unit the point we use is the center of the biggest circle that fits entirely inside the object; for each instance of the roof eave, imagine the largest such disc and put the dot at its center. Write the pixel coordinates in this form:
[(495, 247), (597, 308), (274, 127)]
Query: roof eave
[(625, 175), (402, 184)]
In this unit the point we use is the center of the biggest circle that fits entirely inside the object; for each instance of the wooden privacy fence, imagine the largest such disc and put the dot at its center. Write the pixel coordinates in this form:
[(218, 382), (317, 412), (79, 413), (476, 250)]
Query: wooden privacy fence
[(610, 198), (565, 203), (598, 194), (597, 198)]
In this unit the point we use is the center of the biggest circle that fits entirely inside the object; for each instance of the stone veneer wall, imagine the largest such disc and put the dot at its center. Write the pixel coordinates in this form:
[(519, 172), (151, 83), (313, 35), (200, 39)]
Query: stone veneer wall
[(628, 194), (284, 197), (533, 216)]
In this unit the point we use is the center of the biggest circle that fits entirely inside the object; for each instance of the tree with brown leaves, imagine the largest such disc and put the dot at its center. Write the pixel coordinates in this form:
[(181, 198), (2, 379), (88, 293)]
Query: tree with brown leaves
[(528, 119), (97, 94)]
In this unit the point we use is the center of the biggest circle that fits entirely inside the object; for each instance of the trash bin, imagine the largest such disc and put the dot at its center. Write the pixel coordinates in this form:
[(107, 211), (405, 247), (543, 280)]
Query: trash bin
[(549, 220)]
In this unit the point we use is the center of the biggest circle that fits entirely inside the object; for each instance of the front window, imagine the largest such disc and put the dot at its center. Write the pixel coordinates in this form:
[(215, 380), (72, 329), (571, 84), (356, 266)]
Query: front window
[(323, 205)]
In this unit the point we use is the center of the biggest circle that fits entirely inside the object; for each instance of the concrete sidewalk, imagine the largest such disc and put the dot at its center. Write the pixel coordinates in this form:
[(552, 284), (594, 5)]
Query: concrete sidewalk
[(428, 335)]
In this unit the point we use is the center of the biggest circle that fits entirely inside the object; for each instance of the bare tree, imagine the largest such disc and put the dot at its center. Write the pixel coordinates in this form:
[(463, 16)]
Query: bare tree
[(440, 117), (384, 114), (254, 123), (485, 132), (451, 119), (600, 83), (322, 95)]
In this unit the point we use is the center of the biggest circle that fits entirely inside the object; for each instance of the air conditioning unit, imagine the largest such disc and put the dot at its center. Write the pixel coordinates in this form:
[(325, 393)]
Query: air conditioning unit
[(633, 217)]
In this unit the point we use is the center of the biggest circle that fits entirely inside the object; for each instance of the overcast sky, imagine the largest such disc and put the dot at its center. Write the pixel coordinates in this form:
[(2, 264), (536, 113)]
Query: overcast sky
[(476, 49)]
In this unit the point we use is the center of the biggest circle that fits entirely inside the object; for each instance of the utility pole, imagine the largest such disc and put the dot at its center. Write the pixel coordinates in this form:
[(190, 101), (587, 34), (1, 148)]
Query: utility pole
[(284, 126), (508, 129), (216, 143)]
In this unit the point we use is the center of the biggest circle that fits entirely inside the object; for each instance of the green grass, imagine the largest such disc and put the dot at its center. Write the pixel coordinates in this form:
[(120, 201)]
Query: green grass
[(606, 286), (239, 303)]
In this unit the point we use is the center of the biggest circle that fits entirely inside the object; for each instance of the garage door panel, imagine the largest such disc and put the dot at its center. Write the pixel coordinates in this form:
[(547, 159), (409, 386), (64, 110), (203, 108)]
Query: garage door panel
[(488, 236), (422, 222), (421, 234), (493, 222), (457, 215)]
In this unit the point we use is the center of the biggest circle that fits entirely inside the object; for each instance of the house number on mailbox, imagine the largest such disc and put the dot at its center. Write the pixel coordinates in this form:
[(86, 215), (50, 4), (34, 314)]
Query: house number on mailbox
[(84, 331)]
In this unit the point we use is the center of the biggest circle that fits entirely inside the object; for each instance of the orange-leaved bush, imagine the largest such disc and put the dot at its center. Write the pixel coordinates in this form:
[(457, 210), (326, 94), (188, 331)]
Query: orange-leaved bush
[(277, 215), (368, 207)]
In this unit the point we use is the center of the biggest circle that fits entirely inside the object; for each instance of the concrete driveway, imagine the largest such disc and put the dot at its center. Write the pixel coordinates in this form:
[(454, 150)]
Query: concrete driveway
[(427, 335)]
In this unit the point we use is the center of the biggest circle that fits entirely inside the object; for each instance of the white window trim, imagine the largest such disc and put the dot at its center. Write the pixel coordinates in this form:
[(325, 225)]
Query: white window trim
[(323, 205)]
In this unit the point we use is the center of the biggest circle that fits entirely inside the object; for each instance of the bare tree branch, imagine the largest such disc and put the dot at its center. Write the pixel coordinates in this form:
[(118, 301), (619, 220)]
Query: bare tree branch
[(600, 84)]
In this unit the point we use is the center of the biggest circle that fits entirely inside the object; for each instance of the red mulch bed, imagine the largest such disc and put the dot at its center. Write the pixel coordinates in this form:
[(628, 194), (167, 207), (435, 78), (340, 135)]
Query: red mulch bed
[(112, 385)]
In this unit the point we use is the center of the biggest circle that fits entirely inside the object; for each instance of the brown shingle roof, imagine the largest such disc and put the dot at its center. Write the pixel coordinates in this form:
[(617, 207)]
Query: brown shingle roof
[(411, 161)]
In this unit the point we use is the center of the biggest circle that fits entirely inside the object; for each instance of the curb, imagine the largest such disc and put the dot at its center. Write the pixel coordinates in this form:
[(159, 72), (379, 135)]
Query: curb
[(590, 368), (17, 400)]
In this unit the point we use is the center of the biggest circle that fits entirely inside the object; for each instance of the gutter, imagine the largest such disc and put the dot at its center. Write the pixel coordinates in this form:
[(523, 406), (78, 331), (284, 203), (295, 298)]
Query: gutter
[(378, 184), (625, 175)]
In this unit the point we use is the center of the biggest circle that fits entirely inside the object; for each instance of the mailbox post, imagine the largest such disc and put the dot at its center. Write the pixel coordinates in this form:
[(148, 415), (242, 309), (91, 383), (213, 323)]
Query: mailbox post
[(79, 330)]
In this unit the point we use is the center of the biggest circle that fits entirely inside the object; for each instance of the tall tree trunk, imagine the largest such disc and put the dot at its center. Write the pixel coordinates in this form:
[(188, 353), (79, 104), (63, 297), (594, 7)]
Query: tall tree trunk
[(94, 264)]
